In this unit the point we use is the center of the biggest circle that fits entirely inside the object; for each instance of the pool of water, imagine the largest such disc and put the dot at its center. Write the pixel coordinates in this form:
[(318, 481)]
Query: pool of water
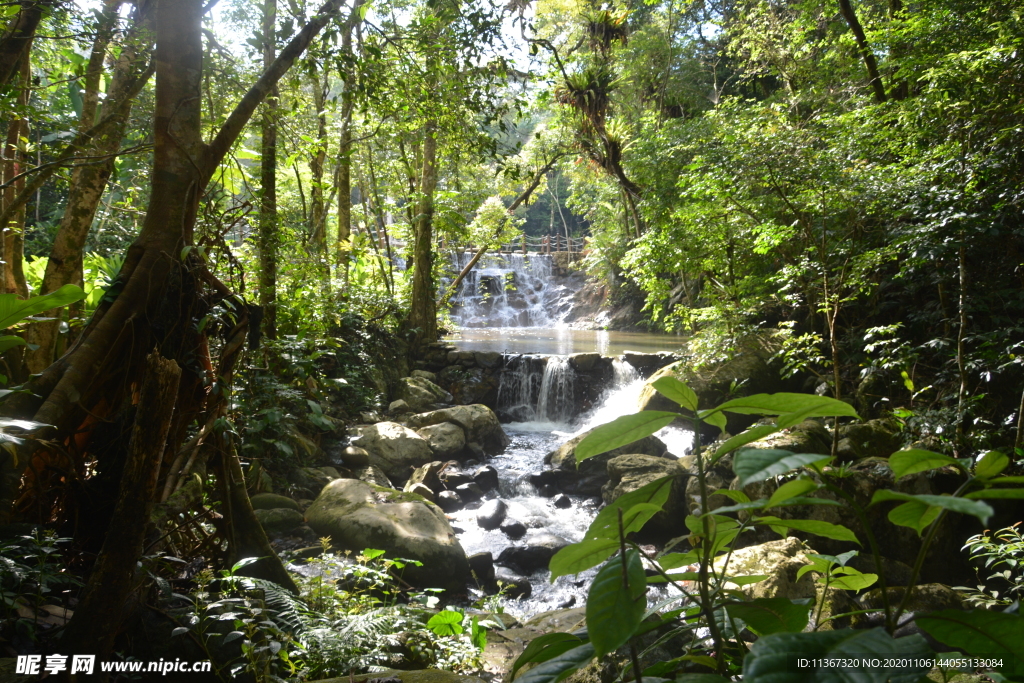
[(564, 341)]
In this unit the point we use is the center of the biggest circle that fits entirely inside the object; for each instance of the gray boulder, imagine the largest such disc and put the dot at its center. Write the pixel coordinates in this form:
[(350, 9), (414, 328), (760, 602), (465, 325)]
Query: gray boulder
[(478, 421), (587, 478), (534, 555), (492, 514), (395, 449), (627, 473), (357, 515), (278, 520), (420, 393), (309, 481), (427, 476), (271, 501), (372, 474), (513, 528), (354, 456), (446, 440), (486, 478), (449, 501)]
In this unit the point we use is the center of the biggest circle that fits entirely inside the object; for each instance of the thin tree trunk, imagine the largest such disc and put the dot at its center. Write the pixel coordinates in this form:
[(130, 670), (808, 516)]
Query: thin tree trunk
[(17, 41), (14, 221), (961, 353), (423, 314), (89, 181), (267, 239), (874, 78)]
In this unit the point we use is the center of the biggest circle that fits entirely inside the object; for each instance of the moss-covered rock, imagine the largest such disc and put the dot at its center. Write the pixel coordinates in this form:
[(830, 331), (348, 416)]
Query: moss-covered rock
[(588, 477), (357, 515), (395, 449), (278, 520), (478, 421), (270, 501)]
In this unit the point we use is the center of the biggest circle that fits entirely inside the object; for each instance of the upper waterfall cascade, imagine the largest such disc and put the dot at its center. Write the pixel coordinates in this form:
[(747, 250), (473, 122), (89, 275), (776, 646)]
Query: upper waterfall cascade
[(512, 290)]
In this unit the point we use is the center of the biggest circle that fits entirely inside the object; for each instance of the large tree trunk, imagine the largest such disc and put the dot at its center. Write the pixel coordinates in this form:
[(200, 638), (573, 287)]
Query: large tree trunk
[(870, 63), (423, 316), (17, 40), (268, 233), (13, 155), (89, 181)]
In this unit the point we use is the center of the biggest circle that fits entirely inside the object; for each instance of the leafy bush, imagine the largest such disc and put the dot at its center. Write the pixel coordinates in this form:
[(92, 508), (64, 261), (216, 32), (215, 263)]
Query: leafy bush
[(1002, 555)]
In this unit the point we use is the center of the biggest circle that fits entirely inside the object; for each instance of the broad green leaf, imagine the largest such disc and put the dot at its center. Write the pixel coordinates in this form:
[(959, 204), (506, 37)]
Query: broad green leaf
[(771, 615), (991, 465), (995, 494), (755, 433), (914, 460), (853, 582), (614, 611), (746, 580), (791, 489), (622, 431), (1008, 480), (606, 524), (813, 526), (561, 667), (752, 465), (674, 560), (817, 563), (989, 635), (914, 514), (808, 405), (446, 623), (9, 341), (733, 494), (962, 505), (713, 418), (673, 389), (545, 647), (758, 504), (774, 658), (578, 557), (13, 310), (716, 523)]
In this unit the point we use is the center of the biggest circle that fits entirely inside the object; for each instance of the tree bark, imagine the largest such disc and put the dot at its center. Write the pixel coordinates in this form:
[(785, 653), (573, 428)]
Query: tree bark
[(17, 40), (874, 78), (89, 181), (14, 224), (267, 237), (97, 618), (423, 316)]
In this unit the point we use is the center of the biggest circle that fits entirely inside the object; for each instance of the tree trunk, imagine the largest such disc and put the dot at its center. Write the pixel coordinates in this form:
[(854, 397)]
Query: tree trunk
[(423, 316), (89, 181), (267, 238), (14, 225), (17, 41), (874, 78)]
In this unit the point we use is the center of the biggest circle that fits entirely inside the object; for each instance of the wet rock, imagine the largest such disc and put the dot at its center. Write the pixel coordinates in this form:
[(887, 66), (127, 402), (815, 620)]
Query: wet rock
[(535, 555), (810, 436), (452, 478), (420, 393), (393, 448), (561, 501), (487, 359), (515, 586), (331, 472), (427, 475), (471, 385), (424, 374), (486, 478), (627, 473), (308, 480), (354, 456), (446, 440), (278, 520), (449, 501), (584, 362), (548, 491), (372, 474), (564, 620), (270, 501), (492, 514), (478, 421), (482, 567), (469, 492), (587, 477), (513, 528), (644, 361), (357, 515), (421, 490), (398, 407)]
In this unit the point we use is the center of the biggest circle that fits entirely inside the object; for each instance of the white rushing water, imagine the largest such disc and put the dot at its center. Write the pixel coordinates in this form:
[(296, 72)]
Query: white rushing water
[(532, 439)]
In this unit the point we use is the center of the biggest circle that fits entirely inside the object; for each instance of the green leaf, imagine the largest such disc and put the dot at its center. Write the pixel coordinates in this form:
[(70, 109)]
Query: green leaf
[(914, 460), (752, 465), (715, 419), (606, 524), (545, 647), (775, 658), (813, 526), (990, 635), (792, 489), (559, 668), (578, 557), (808, 405), (962, 505), (10, 341), (855, 581), (614, 611), (996, 494), (991, 465), (13, 310), (914, 514), (672, 388), (817, 563), (755, 433), (771, 615), (622, 431), (446, 623)]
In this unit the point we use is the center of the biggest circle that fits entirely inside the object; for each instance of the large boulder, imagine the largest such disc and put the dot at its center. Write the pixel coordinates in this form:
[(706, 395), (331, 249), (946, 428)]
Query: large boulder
[(420, 393), (587, 478), (535, 554), (446, 440), (871, 439), (627, 473), (372, 474), (307, 482), (478, 421), (278, 520), (427, 476), (395, 449), (271, 501), (779, 561), (357, 515), (809, 436)]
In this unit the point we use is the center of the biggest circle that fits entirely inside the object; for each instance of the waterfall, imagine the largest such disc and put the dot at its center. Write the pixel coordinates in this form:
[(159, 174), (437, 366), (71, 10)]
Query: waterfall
[(623, 373), (556, 402), (510, 290), (537, 389)]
